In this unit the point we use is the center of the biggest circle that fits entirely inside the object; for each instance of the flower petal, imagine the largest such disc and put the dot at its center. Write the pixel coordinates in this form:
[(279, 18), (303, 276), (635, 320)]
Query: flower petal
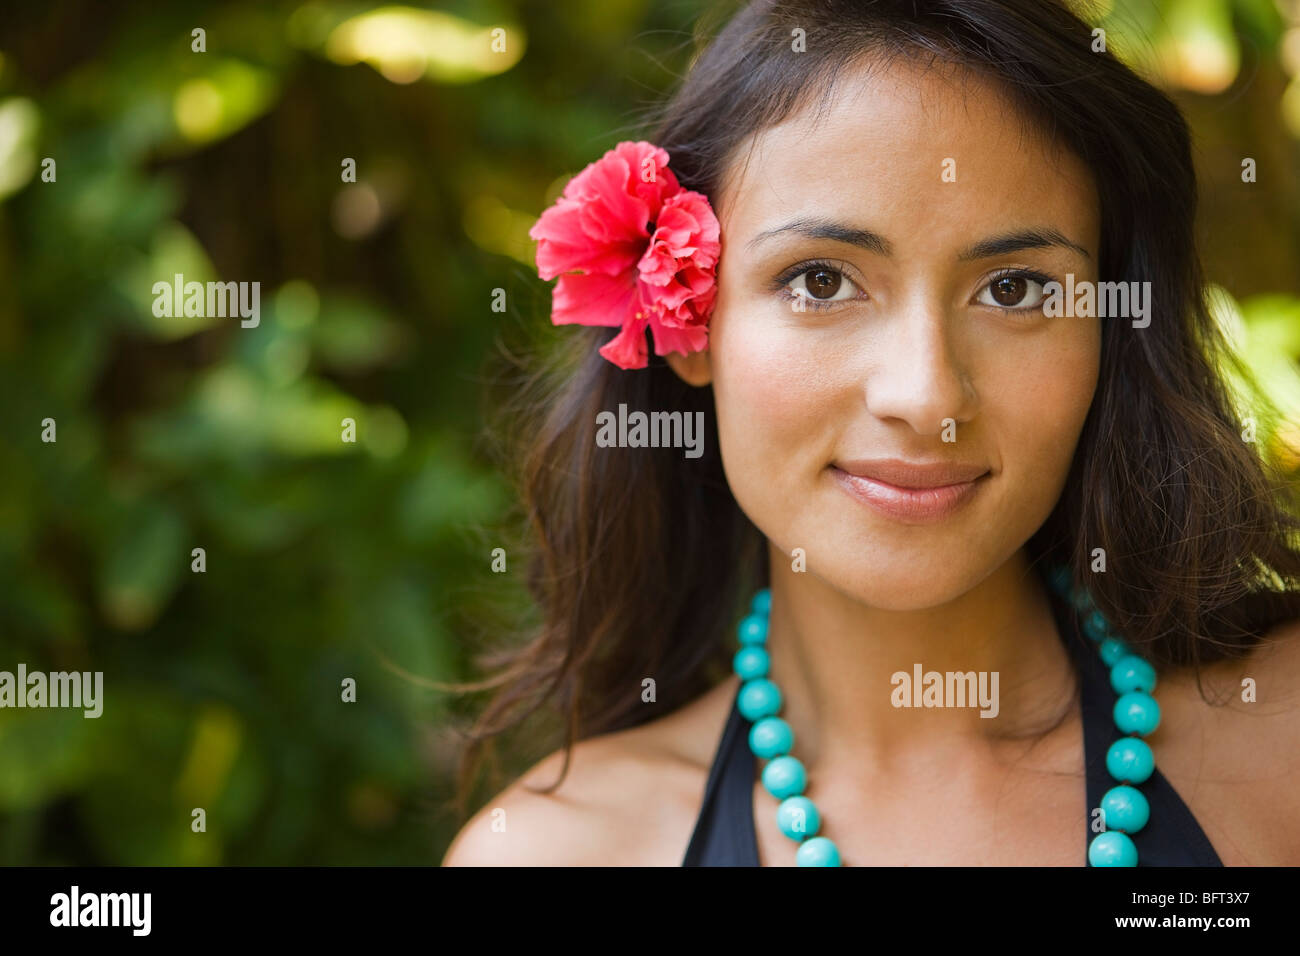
[(593, 299), (628, 348), (564, 245), (685, 340), (647, 161)]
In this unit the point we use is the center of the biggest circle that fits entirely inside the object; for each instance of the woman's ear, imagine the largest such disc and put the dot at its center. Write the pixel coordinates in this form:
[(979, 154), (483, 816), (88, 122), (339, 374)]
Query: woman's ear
[(693, 369)]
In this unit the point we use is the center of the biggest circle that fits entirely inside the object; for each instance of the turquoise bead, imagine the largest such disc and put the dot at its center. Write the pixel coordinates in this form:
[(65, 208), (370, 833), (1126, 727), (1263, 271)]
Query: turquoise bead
[(1130, 760), (784, 777), (751, 662), (1082, 601), (762, 603), (1124, 808), (758, 698), (1112, 848), (817, 851), (798, 818), (771, 737), (1096, 626), (1137, 713), (1112, 649), (1132, 673), (753, 630)]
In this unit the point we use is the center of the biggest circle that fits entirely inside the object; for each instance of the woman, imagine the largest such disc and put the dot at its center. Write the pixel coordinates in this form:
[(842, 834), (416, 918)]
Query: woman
[(908, 426)]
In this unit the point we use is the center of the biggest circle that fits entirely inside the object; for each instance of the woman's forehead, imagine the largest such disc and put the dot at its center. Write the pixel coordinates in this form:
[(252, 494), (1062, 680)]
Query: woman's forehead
[(907, 141)]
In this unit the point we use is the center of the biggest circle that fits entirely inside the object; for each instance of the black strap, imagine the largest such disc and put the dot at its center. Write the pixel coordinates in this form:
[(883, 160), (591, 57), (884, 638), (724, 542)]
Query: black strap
[(724, 832), (1172, 837)]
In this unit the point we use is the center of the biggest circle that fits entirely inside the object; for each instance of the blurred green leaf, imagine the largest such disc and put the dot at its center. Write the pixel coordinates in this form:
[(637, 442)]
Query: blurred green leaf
[(142, 566)]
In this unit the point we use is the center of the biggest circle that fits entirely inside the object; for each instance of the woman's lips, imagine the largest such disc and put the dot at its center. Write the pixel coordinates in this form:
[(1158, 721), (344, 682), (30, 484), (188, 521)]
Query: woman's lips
[(911, 492)]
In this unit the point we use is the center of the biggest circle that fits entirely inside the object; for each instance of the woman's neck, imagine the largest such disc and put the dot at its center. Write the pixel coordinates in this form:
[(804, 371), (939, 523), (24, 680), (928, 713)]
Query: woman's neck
[(847, 672)]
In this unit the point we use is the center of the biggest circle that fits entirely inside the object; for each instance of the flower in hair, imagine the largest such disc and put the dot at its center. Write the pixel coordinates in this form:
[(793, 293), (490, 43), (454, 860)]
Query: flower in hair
[(632, 248)]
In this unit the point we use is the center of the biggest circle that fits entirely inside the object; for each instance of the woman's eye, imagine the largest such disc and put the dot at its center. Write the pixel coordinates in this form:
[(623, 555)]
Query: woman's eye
[(823, 284), (1013, 292)]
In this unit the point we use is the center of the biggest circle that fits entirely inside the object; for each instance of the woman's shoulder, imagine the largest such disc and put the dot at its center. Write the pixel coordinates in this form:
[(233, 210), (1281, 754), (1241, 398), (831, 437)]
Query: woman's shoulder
[(1261, 687), (629, 797), (1230, 745)]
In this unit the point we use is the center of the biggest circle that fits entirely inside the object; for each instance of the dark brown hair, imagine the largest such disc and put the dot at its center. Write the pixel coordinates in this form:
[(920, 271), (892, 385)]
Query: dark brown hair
[(642, 559)]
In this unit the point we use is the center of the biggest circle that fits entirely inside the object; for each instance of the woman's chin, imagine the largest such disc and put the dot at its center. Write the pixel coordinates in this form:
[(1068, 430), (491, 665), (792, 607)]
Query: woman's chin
[(903, 585)]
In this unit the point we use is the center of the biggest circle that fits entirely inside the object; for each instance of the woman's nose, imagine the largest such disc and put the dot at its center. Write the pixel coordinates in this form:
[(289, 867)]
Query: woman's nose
[(917, 376)]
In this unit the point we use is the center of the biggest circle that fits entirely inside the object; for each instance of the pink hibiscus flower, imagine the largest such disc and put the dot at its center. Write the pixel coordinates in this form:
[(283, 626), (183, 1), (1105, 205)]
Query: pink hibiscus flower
[(632, 248)]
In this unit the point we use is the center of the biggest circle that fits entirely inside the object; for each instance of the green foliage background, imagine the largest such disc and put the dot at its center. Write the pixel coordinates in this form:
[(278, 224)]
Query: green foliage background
[(328, 560)]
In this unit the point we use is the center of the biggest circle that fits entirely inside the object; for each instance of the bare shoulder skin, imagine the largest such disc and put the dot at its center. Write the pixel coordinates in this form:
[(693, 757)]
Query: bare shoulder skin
[(630, 798), (1234, 761)]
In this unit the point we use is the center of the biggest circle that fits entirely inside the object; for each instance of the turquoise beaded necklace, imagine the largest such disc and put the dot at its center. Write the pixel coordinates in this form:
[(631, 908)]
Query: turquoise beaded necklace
[(1129, 760)]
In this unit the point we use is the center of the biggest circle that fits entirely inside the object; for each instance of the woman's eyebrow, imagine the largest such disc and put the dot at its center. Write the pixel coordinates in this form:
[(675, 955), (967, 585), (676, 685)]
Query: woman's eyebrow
[(1038, 238), (1024, 239), (828, 229)]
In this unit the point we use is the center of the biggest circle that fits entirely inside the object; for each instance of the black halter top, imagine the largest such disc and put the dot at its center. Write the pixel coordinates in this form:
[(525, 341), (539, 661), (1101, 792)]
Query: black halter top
[(724, 831)]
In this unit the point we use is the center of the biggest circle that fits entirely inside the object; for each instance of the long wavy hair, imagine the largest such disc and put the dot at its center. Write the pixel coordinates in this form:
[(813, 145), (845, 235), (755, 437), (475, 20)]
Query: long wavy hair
[(640, 560)]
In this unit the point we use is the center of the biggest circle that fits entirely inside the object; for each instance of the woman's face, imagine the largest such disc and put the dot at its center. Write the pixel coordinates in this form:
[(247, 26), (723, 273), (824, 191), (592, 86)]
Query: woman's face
[(916, 225)]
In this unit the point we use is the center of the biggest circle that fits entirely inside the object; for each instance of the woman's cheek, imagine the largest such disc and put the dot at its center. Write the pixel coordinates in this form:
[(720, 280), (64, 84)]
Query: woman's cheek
[(1042, 397), (774, 405)]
